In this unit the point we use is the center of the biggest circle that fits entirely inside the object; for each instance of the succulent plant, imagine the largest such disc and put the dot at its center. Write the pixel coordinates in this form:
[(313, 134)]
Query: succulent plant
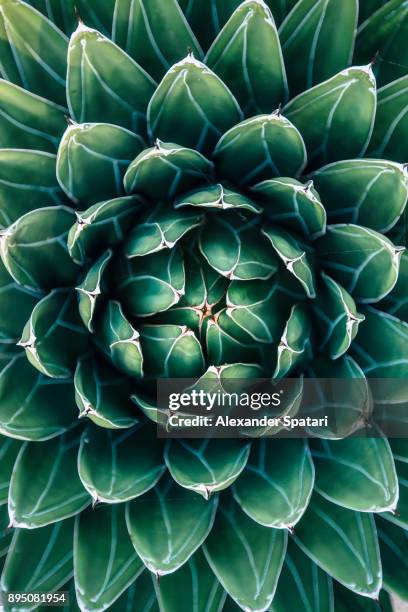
[(185, 189)]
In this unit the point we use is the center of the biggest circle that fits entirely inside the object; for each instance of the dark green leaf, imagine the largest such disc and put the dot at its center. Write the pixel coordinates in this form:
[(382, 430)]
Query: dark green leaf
[(218, 197), (97, 15), (9, 450), (294, 348), (207, 18), (394, 554), (60, 12), (91, 290)]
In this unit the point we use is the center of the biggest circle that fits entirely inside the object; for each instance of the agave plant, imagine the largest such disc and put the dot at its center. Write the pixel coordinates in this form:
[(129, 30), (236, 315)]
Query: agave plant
[(187, 190)]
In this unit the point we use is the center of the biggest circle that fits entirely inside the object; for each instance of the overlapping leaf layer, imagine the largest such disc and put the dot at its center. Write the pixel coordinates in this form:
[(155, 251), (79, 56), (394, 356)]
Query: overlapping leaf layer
[(200, 188)]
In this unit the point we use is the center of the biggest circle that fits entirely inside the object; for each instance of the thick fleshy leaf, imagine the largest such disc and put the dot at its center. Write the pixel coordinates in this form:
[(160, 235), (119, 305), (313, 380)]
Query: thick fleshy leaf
[(103, 225), (9, 450), (151, 284), (351, 191), (396, 302), (302, 585), (161, 228), (116, 466), (171, 351), (33, 50), (293, 256), (192, 587), (103, 396), (155, 34), (257, 551), (28, 121), (60, 12), (343, 543), (367, 463), (91, 289), (168, 524), (16, 305), (217, 196), (336, 117), (235, 249), (34, 248), (192, 107), (139, 597), (363, 261), (105, 562), (336, 317), (95, 14), (293, 205), (105, 151), (294, 348), (368, 8), (259, 309), (352, 410), (120, 340), (27, 182), (56, 492), (6, 533), (165, 170), (55, 323), (247, 56), (213, 13), (394, 554), (345, 600), (105, 84), (33, 407), (275, 488), (385, 32), (317, 41), (389, 138), (260, 148), (38, 560), (206, 466)]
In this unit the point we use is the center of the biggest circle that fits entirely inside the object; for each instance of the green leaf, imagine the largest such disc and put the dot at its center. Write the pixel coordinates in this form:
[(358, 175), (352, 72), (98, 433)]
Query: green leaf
[(294, 348), (368, 8), (207, 18), (336, 317), (351, 190), (97, 15), (343, 543), (192, 107), (257, 551), (60, 12), (103, 225), (192, 587), (9, 450), (28, 121), (156, 35), (139, 597), (363, 261), (217, 196), (317, 41), (33, 50), (103, 396), (151, 284), (55, 323), (161, 228), (171, 351), (116, 466), (396, 303), (302, 585), (5, 532), (16, 305), (34, 249), (120, 340), (394, 554), (165, 170), (293, 256), (260, 148), (105, 84), (168, 524), (385, 32), (400, 515), (28, 402), (91, 289), (293, 205), (367, 463), (27, 182), (206, 466), (275, 488), (105, 150), (389, 137), (345, 600), (336, 117), (56, 492), (247, 56), (105, 562), (38, 560), (232, 244)]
